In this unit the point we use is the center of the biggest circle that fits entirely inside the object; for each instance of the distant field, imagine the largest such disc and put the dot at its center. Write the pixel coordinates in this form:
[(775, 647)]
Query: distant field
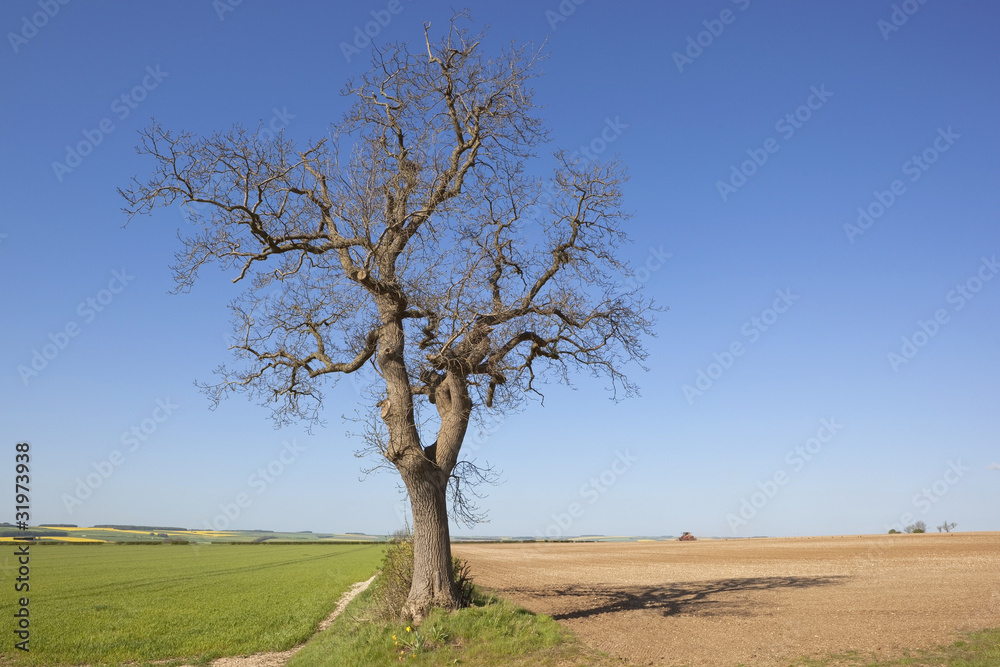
[(760, 602), (63, 534), (118, 603), (97, 535)]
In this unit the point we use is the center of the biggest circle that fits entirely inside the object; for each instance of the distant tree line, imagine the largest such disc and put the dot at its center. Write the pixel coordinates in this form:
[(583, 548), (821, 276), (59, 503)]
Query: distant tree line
[(140, 528), (34, 532), (921, 527)]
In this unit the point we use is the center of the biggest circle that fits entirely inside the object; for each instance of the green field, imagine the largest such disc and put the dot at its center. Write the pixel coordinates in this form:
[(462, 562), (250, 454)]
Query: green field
[(111, 604)]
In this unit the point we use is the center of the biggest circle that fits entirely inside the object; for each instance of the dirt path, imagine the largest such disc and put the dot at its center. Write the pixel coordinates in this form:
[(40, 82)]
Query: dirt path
[(279, 658), (762, 602)]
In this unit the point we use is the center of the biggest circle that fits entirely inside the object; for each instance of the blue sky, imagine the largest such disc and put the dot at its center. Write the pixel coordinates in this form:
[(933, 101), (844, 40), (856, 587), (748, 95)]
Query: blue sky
[(754, 132)]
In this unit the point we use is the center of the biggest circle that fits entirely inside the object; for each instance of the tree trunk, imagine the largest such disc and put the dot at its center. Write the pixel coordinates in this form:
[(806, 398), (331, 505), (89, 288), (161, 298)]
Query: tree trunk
[(433, 585)]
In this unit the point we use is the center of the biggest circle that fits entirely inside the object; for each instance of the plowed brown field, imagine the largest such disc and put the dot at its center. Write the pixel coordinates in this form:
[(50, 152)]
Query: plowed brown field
[(758, 601)]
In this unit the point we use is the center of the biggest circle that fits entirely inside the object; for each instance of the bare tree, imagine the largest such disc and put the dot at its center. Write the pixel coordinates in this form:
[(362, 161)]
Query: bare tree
[(918, 527), (946, 527), (415, 240)]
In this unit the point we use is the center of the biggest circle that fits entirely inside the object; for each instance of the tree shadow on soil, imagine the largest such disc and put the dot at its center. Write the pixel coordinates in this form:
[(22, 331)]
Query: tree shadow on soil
[(734, 597)]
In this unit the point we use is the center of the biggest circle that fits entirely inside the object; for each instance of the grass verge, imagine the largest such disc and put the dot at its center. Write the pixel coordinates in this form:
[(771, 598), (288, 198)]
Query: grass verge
[(976, 649), (491, 633)]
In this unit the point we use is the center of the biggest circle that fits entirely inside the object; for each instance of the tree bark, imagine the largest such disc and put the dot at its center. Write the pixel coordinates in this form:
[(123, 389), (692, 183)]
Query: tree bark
[(432, 574)]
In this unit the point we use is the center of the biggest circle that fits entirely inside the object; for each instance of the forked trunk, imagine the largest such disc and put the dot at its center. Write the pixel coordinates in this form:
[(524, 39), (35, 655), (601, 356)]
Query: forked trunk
[(433, 585)]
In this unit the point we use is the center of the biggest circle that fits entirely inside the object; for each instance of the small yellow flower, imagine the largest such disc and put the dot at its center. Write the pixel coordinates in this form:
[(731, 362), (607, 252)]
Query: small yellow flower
[(407, 628)]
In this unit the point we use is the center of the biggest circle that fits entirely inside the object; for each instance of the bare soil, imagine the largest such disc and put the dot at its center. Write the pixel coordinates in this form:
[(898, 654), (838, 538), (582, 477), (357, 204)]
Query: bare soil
[(760, 602)]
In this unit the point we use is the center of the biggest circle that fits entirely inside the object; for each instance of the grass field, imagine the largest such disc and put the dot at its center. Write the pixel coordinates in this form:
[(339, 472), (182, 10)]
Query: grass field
[(111, 604)]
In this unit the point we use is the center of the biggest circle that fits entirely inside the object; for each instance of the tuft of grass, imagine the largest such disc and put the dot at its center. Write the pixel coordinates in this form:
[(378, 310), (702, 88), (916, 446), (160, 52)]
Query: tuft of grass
[(490, 633), (976, 649)]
